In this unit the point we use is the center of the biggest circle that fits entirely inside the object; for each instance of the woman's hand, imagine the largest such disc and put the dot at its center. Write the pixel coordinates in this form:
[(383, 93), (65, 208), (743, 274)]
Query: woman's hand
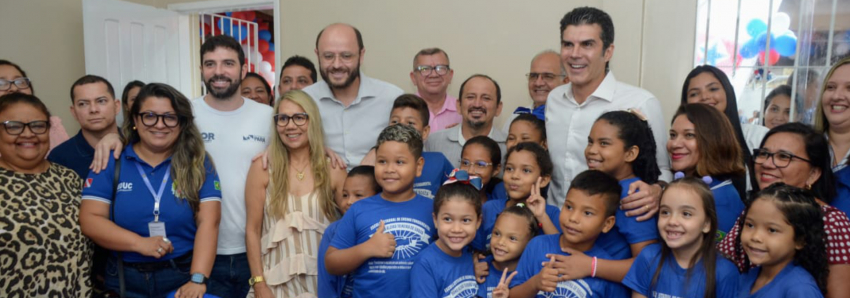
[(261, 290), (109, 142), (155, 247), (191, 290)]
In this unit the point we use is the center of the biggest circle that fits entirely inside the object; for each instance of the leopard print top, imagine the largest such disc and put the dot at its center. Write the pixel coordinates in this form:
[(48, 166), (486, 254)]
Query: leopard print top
[(43, 252)]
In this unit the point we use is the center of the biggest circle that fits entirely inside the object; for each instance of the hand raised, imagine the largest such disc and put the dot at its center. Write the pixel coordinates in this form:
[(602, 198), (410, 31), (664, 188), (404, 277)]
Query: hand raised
[(502, 291), (382, 244), (536, 202)]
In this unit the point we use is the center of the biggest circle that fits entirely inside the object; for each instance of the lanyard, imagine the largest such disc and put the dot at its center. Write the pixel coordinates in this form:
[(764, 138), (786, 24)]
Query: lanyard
[(157, 196)]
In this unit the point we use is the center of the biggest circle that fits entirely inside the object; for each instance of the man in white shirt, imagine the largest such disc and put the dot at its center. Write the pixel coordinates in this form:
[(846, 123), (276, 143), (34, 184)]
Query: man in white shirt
[(479, 102), (355, 108), (546, 73), (587, 37)]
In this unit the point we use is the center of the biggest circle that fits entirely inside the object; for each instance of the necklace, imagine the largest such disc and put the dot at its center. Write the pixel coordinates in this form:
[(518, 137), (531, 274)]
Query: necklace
[(300, 174)]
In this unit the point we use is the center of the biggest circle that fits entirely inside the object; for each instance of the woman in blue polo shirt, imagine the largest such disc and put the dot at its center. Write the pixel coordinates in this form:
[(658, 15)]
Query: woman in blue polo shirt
[(167, 201)]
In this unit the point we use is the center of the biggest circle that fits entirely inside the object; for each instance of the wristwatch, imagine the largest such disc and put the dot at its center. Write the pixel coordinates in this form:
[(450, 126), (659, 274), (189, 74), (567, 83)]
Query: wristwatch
[(254, 280), (199, 278)]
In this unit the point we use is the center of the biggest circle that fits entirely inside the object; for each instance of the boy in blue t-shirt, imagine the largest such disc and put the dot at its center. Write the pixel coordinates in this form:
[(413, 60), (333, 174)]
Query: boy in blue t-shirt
[(591, 202), (411, 110), (379, 237)]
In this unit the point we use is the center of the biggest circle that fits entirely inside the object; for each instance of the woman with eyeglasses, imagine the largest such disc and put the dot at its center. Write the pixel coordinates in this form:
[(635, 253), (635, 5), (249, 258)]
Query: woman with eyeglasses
[(13, 79), (290, 204), (797, 155), (165, 196), (43, 251), (832, 118)]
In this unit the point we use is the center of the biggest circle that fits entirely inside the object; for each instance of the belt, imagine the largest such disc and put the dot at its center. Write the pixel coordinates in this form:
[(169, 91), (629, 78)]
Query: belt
[(155, 266)]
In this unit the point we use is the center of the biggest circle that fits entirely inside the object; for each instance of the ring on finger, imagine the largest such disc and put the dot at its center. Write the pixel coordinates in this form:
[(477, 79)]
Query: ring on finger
[(166, 240), (159, 249)]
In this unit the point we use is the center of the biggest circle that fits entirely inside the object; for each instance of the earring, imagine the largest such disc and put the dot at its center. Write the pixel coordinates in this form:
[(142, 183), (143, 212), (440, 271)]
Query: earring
[(808, 186), (134, 127)]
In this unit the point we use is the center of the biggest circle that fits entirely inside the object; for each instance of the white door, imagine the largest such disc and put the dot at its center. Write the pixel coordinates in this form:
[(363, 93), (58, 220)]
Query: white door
[(127, 41)]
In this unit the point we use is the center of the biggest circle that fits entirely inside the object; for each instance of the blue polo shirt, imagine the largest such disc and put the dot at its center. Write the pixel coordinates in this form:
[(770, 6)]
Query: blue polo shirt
[(436, 171), (75, 154), (134, 203), (728, 203), (842, 188)]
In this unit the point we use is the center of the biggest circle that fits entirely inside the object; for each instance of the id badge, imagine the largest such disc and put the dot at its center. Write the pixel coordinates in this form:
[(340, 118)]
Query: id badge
[(156, 228)]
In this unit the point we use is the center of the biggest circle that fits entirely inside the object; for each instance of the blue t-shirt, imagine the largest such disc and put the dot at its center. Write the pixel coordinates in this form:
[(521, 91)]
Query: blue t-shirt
[(411, 223), (134, 203), (331, 286), (673, 281), (792, 281), (485, 290), (842, 188), (729, 206), (436, 274), (627, 230), (490, 212), (532, 260), (75, 154), (436, 171)]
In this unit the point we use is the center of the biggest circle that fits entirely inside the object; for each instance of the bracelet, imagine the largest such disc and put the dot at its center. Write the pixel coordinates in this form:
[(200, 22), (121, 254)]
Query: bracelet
[(593, 267)]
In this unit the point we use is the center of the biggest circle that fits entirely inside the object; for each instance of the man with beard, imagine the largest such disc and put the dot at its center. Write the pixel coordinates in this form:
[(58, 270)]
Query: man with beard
[(479, 102), (354, 107), (432, 75), (545, 74)]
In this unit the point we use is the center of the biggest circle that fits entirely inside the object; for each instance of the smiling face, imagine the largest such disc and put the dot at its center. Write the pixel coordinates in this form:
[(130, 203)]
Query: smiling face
[(9, 73), (293, 135), (94, 108), (682, 221), (778, 112), (767, 237), (584, 55), (798, 173), (222, 72), (410, 117), (682, 145), (432, 83), (524, 131), (478, 103), (254, 89), (354, 189), (339, 56), (158, 137), (509, 238), (705, 88), (477, 153), (583, 218), (543, 65), (836, 98), (606, 152), (295, 77), (395, 170), (456, 223), (26, 150), (521, 173)]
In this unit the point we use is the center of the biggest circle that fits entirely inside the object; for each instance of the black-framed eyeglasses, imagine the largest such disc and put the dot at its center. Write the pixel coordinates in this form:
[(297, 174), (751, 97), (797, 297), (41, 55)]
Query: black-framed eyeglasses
[(150, 119), (298, 118), (21, 83), (780, 159), (547, 76), (426, 69), (17, 127), (480, 164)]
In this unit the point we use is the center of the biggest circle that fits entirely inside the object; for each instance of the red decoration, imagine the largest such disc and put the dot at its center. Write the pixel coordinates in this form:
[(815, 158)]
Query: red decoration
[(263, 46), (772, 57)]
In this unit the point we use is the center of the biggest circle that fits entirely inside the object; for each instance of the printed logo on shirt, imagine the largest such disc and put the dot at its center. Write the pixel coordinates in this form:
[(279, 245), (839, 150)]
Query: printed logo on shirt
[(254, 138), (662, 295), (217, 185), (420, 189), (569, 289), (176, 192), (88, 182), (463, 287), (208, 136), (411, 237), (124, 186)]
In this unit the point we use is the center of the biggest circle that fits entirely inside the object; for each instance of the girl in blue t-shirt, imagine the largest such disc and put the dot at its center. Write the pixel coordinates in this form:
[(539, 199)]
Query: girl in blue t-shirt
[(686, 263), (443, 269), (783, 235), (481, 156), (514, 228), (524, 128)]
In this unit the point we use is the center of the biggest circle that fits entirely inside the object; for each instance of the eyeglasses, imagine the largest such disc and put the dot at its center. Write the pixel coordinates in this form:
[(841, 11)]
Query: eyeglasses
[(21, 83), (547, 76), (345, 57), (17, 127), (297, 118), (780, 159), (150, 119), (426, 69), (479, 165)]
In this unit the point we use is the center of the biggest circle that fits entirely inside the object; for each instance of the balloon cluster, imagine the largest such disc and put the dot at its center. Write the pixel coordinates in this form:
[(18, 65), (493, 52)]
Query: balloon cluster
[(263, 48), (782, 42)]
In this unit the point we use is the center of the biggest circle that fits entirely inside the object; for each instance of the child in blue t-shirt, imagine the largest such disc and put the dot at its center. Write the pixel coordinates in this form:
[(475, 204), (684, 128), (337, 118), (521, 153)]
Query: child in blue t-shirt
[(591, 202), (783, 235), (380, 236), (444, 268), (524, 128), (513, 230), (528, 168), (359, 184), (686, 263), (481, 156)]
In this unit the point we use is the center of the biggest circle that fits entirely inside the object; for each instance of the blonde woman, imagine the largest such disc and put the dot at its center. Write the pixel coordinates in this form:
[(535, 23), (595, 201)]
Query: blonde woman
[(290, 204)]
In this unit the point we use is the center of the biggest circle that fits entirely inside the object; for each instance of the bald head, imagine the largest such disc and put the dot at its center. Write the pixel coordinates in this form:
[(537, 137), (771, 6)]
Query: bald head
[(342, 30), (546, 73)]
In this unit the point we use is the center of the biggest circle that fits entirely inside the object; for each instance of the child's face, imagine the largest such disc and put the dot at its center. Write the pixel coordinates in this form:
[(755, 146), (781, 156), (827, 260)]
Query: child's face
[(396, 167), (475, 159), (521, 173), (606, 152), (767, 238), (523, 131), (410, 117), (682, 221), (354, 189), (583, 218), (682, 145), (456, 223), (509, 238)]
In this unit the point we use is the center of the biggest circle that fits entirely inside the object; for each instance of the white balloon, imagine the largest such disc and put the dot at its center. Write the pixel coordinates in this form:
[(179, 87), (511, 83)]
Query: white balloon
[(780, 23), (265, 66)]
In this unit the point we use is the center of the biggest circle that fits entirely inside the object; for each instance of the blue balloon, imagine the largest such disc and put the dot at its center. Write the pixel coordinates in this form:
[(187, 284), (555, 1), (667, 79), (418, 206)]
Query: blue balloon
[(265, 35), (750, 49), (271, 47), (756, 27), (786, 45), (243, 31), (761, 40), (225, 26), (228, 13)]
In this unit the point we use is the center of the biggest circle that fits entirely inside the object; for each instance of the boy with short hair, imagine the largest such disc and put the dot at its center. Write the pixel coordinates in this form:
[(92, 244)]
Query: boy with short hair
[(589, 210), (379, 237)]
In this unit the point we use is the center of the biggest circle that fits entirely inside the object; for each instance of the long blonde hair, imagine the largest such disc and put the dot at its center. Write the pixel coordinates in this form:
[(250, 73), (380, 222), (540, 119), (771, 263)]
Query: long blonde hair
[(279, 160)]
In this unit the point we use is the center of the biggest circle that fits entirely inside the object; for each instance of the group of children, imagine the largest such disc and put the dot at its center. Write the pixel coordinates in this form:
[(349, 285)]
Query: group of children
[(482, 236)]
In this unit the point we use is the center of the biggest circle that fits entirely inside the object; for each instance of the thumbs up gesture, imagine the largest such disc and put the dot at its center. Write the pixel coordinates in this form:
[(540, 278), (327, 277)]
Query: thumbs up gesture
[(502, 291), (382, 244), (547, 279)]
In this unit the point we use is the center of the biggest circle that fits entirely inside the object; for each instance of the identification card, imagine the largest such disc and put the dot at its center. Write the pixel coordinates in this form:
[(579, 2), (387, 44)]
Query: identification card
[(157, 228)]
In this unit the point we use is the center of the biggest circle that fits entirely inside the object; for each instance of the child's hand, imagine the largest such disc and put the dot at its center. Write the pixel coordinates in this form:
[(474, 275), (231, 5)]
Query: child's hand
[(382, 244), (482, 270), (535, 201), (576, 265), (547, 279), (502, 290)]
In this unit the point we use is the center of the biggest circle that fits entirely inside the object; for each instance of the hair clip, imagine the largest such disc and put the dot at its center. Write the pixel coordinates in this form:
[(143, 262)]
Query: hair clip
[(707, 179), (521, 205), (678, 175), (462, 176), (637, 113)]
